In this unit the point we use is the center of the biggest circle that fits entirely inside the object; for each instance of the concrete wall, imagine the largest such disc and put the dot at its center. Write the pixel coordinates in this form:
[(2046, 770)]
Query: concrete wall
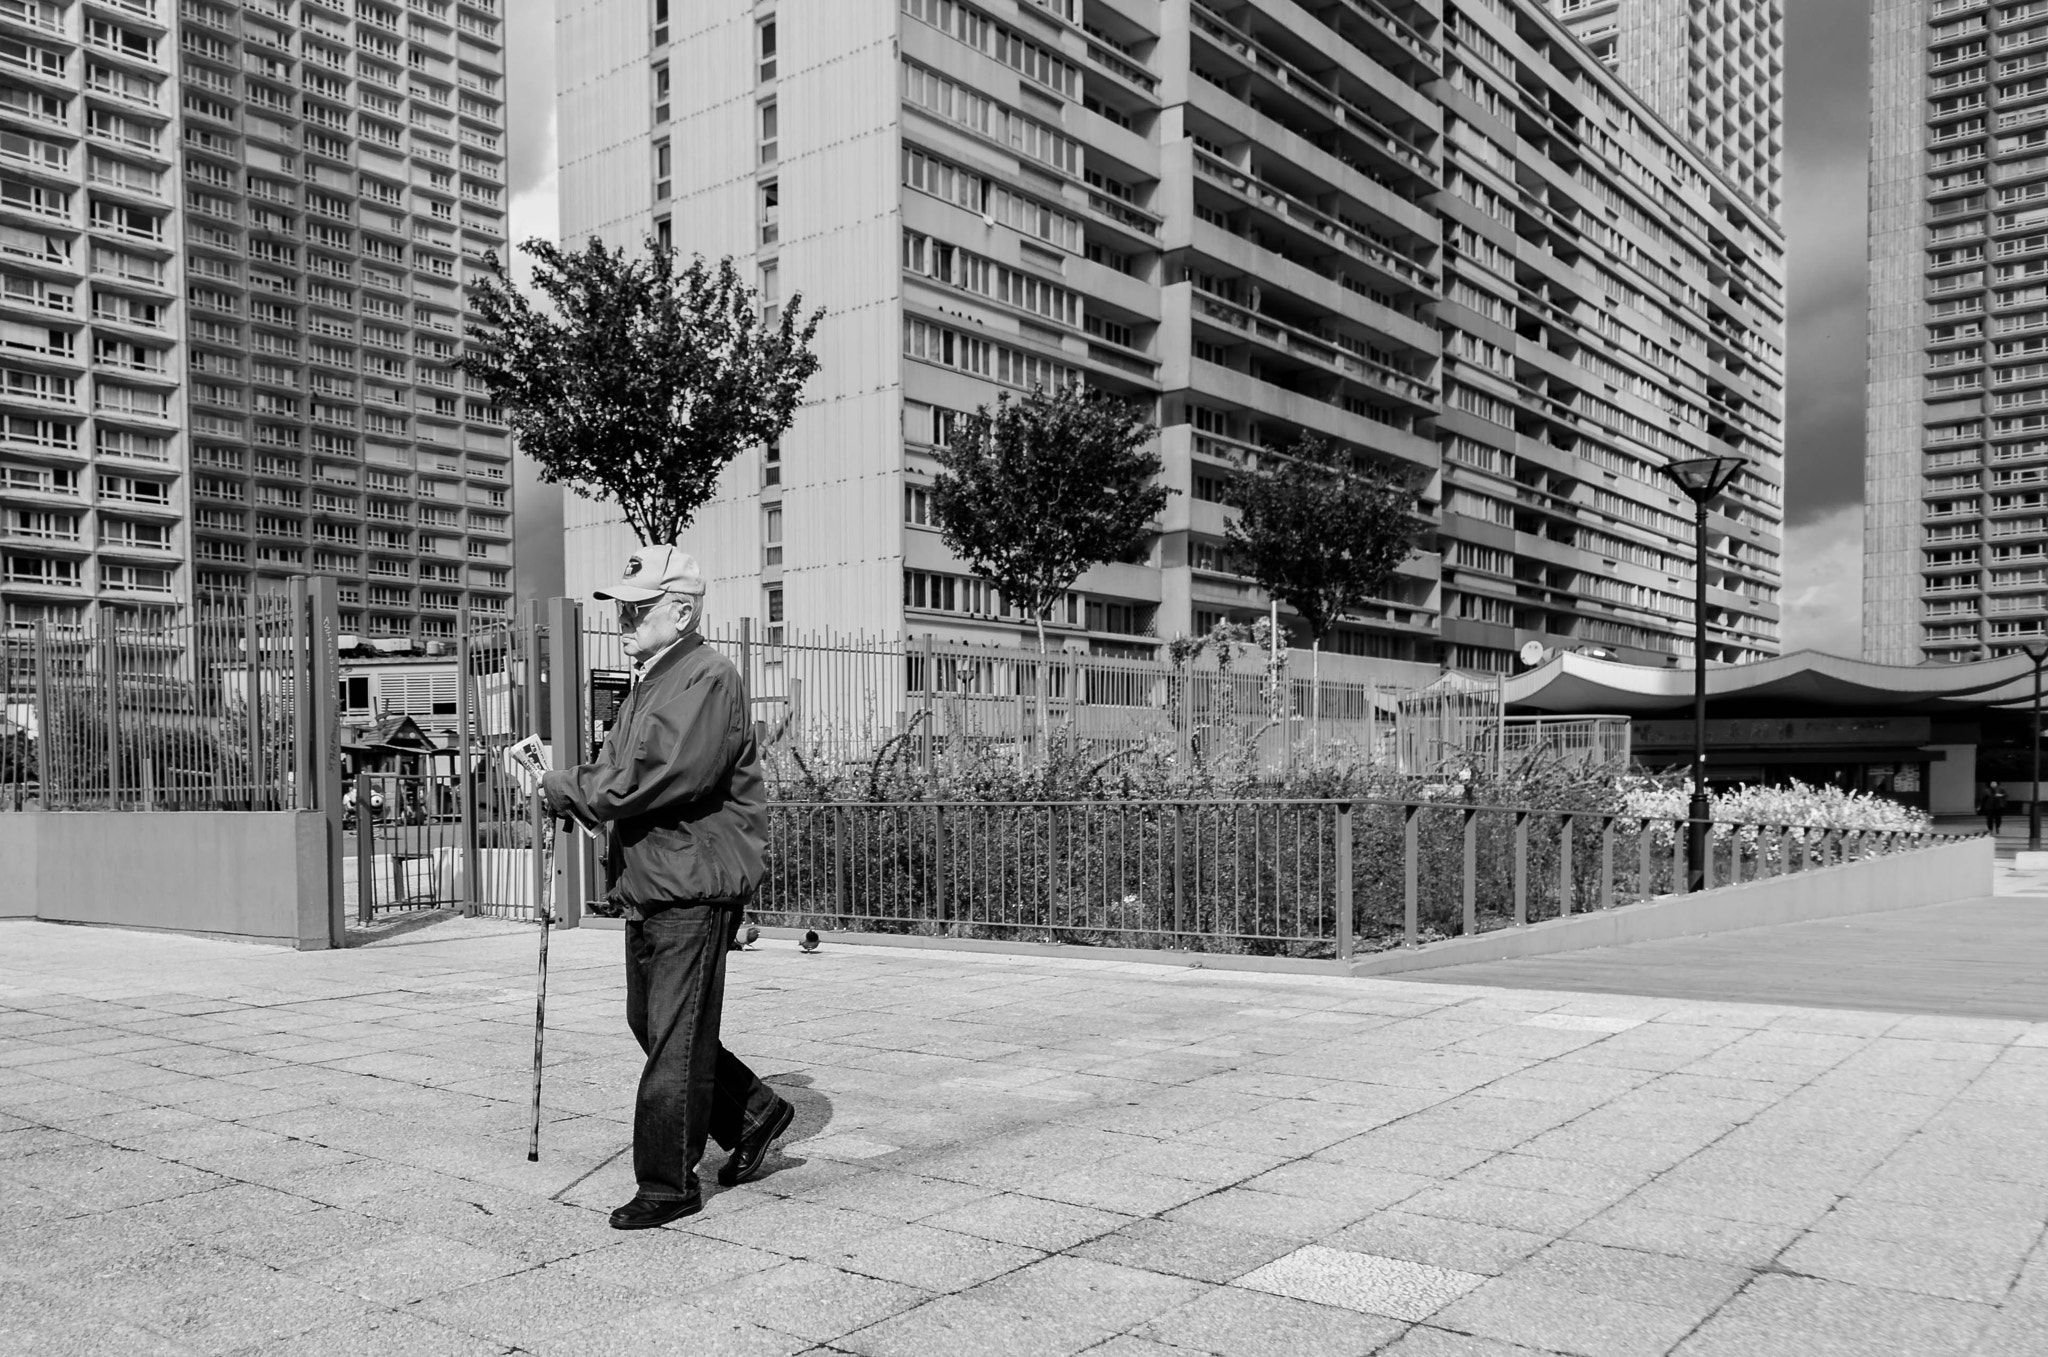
[(260, 876), (1928, 876), (1952, 780), (20, 852)]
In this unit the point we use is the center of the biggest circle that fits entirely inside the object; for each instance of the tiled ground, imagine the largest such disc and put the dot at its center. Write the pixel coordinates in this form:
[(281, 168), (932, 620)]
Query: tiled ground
[(1966, 958), (219, 1148)]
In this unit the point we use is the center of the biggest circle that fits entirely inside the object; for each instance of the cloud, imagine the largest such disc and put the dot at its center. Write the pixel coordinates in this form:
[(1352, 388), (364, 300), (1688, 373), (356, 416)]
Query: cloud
[(532, 185), (534, 210), (1823, 599), (1826, 206)]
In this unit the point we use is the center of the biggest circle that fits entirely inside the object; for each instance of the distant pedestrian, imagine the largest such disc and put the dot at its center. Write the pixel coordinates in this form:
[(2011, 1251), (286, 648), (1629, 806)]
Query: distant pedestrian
[(1993, 807), (679, 783)]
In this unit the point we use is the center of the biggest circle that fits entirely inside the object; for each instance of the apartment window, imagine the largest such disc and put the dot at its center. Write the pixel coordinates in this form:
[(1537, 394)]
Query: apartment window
[(771, 535), (771, 464), (660, 22), (771, 212), (661, 93), (769, 150), (664, 170), (771, 294), (664, 233), (774, 604), (768, 50)]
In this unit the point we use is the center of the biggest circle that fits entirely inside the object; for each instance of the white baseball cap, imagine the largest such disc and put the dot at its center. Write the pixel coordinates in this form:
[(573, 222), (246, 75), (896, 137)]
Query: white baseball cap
[(654, 571)]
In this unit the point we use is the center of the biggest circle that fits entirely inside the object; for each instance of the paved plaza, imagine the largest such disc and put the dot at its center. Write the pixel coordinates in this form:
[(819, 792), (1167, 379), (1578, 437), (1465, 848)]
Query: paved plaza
[(220, 1148), (1969, 958)]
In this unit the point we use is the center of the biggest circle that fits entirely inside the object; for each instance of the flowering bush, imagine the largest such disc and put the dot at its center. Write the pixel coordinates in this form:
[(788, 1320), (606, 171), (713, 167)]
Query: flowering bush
[(1798, 804)]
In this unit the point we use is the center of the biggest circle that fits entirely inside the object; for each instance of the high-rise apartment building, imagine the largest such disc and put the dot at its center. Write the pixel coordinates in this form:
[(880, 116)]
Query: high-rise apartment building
[(93, 485), (1956, 470), (1713, 69), (235, 244), (1447, 238)]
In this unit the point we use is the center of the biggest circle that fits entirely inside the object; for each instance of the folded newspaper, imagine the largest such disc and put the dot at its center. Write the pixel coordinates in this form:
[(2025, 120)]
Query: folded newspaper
[(527, 762)]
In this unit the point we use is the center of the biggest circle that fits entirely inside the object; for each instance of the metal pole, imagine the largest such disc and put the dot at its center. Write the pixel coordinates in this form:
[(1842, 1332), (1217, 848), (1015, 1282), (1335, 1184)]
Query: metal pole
[(531, 698), (302, 703), (1696, 845), (252, 635), (1346, 942), (46, 720), (366, 852), (2034, 797), (323, 710), (110, 671), (465, 773), (1500, 725), (925, 662), (570, 726)]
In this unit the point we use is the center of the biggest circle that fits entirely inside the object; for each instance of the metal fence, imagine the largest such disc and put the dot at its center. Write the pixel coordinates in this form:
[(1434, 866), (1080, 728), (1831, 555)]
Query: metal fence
[(1315, 878), (842, 699), (206, 712)]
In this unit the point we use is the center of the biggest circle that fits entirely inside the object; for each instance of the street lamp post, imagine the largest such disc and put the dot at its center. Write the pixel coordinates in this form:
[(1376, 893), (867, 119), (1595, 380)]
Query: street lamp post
[(2037, 651), (1702, 479)]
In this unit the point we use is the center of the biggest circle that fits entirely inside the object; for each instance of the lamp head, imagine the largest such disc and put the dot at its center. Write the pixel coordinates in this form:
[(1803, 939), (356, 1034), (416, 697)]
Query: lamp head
[(1702, 478)]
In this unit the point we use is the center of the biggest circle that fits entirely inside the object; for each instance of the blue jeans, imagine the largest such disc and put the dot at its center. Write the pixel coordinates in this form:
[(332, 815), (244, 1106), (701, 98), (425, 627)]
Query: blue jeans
[(691, 1086)]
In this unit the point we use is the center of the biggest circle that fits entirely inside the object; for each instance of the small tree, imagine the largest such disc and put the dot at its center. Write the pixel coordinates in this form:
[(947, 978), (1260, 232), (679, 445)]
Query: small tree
[(1036, 491), (1322, 533), (644, 381)]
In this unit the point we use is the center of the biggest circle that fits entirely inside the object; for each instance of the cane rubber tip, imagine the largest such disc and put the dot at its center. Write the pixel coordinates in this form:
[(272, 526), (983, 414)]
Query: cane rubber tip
[(533, 1156)]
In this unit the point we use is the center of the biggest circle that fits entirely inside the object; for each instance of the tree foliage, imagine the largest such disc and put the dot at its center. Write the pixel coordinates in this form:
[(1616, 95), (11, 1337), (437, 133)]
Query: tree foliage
[(642, 379), (1321, 532), (1034, 492)]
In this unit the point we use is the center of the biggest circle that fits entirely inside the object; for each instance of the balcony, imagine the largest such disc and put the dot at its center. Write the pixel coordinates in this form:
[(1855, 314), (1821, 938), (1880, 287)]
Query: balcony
[(1326, 228)]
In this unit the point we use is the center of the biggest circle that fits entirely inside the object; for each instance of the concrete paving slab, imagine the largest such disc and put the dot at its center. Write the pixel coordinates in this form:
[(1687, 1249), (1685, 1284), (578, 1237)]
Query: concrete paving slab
[(207, 1147), (1368, 1283), (1972, 958)]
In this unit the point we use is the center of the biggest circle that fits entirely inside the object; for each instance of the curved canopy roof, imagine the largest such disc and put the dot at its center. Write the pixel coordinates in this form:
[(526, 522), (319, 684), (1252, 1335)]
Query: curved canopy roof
[(1569, 683)]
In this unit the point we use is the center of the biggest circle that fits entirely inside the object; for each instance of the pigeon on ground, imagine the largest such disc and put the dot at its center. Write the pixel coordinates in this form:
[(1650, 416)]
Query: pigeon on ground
[(743, 937), (810, 942)]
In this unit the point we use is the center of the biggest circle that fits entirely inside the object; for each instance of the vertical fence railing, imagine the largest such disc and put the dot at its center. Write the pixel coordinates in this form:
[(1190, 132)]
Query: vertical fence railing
[(840, 699), (203, 711), (515, 677), (1304, 878)]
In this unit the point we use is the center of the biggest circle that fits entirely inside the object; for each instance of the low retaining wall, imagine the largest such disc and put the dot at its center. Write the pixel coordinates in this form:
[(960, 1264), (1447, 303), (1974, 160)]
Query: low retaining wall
[(1925, 876), (255, 875)]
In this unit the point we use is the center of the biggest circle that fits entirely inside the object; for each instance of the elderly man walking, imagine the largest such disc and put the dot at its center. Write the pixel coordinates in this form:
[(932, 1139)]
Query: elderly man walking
[(679, 783)]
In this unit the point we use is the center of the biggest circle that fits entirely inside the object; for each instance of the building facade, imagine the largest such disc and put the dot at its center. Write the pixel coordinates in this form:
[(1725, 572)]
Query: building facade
[(1955, 510), (94, 483), (1713, 69), (241, 234), (1447, 238)]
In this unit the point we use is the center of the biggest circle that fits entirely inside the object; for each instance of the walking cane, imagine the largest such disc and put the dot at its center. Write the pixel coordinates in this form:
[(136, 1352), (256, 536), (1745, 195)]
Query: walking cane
[(543, 862)]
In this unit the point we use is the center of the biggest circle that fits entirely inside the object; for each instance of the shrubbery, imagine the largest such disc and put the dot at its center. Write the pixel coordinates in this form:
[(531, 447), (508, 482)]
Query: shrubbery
[(1091, 847), (1797, 804)]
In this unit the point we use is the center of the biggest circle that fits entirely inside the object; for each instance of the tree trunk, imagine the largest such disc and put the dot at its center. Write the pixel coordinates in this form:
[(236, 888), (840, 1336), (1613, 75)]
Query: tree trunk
[(1315, 691), (1044, 673)]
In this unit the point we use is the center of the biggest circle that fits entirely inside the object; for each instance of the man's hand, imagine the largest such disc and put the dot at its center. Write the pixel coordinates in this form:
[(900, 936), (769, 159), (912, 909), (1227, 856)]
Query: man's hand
[(553, 798), (556, 799)]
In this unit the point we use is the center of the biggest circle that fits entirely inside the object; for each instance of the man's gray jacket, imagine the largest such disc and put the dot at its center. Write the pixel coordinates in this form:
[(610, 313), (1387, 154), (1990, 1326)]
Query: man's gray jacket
[(679, 780)]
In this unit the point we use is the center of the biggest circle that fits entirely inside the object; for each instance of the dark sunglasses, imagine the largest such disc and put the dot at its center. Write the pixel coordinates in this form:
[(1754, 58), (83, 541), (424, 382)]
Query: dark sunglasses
[(632, 614)]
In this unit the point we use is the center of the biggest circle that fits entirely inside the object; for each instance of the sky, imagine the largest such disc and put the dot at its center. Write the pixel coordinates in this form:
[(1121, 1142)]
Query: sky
[(1827, 145), (530, 176), (1827, 135)]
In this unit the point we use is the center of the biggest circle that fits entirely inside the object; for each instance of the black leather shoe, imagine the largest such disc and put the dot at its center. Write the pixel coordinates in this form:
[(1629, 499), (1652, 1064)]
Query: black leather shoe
[(748, 1154), (645, 1213)]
